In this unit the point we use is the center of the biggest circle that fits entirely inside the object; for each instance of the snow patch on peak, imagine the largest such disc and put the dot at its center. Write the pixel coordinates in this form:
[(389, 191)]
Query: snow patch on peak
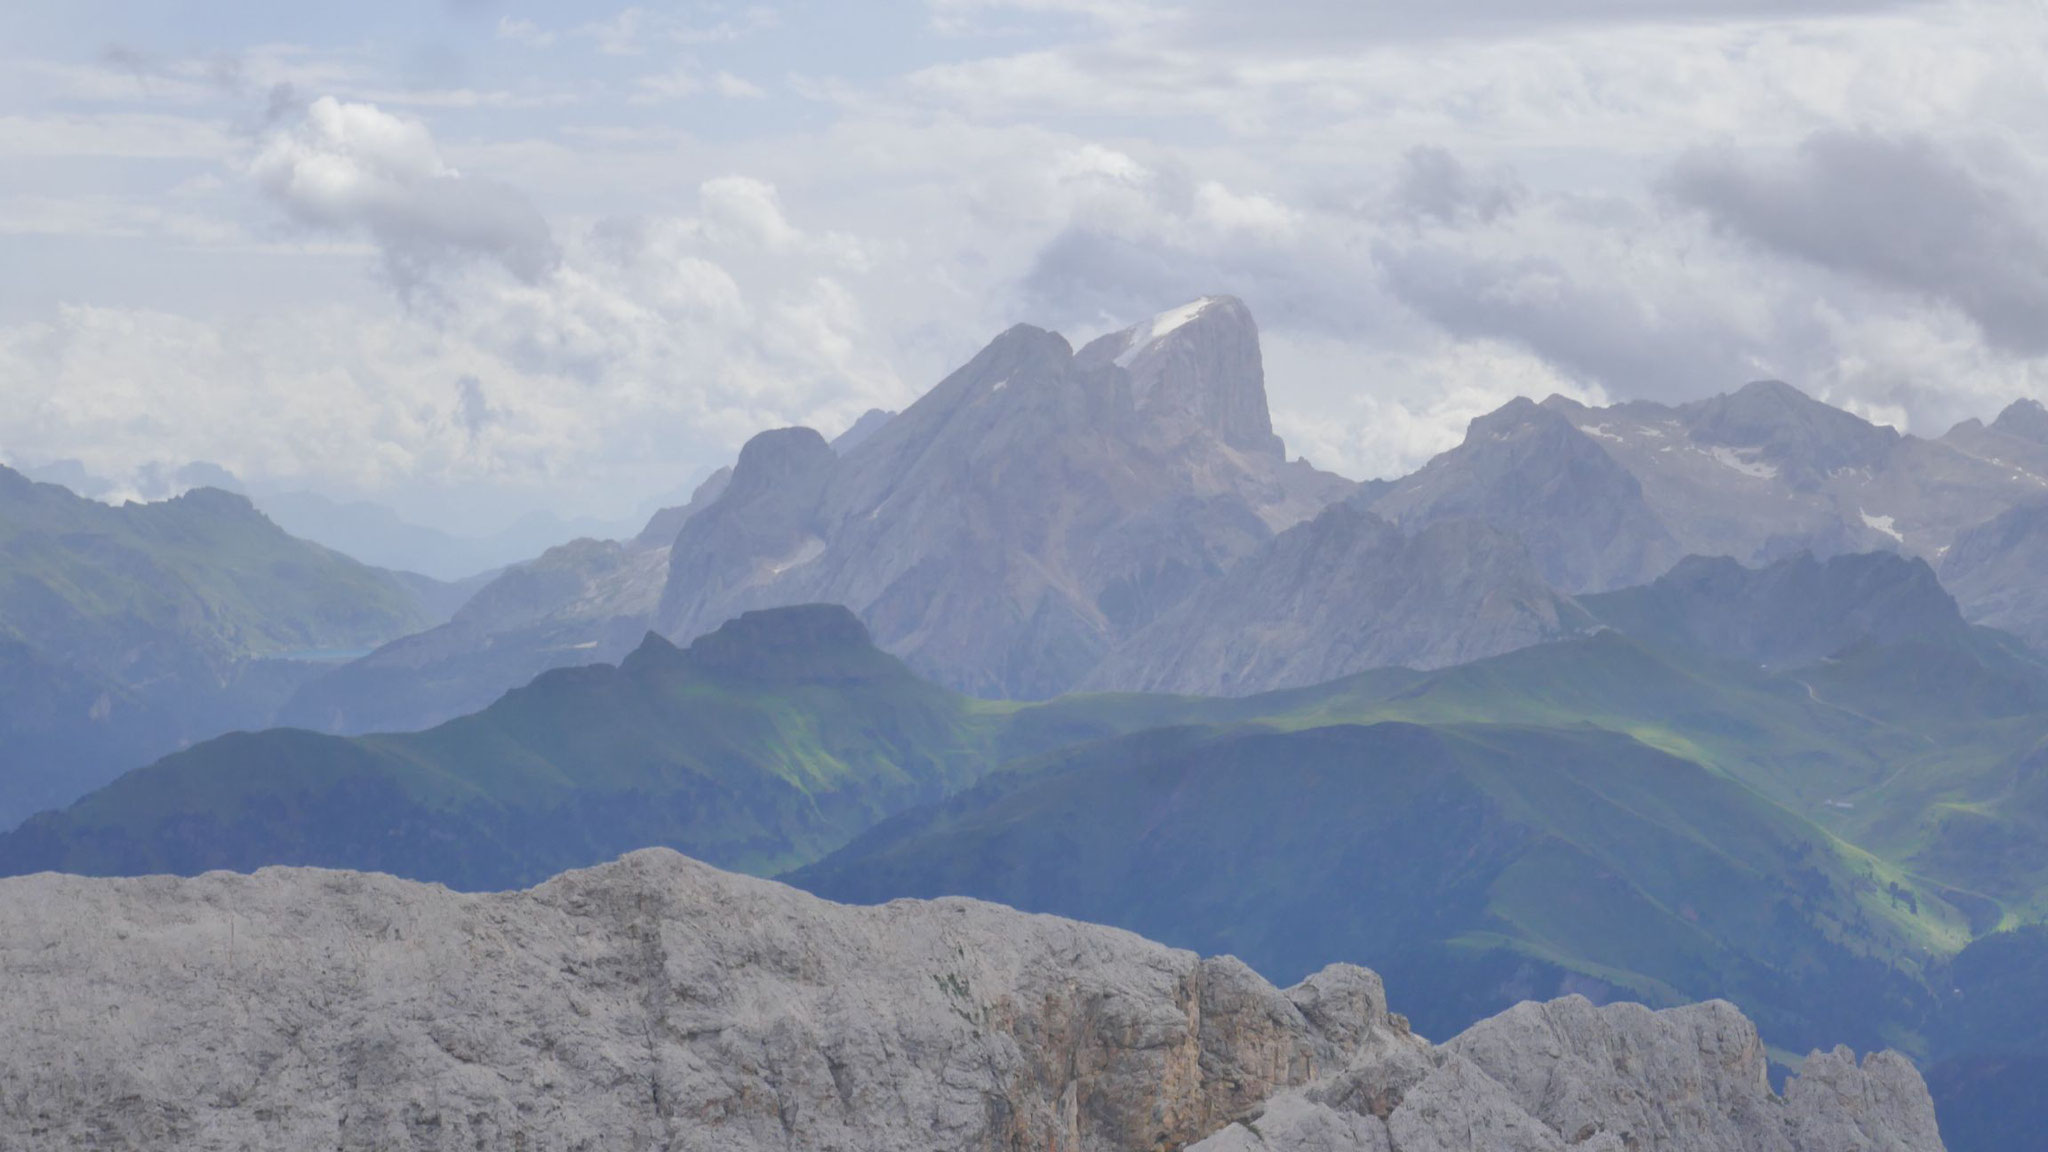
[(1743, 463), (811, 548), (1882, 524), (1163, 325)]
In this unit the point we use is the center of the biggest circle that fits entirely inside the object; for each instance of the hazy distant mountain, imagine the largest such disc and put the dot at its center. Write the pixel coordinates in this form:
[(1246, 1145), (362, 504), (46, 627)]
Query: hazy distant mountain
[(1526, 469), (762, 745), (662, 527), (584, 602), (372, 533), (2017, 440), (1036, 519), (378, 535), (855, 435), (579, 603), (129, 631), (1767, 471), (1796, 611), (1343, 593), (1998, 571), (999, 533), (1003, 532)]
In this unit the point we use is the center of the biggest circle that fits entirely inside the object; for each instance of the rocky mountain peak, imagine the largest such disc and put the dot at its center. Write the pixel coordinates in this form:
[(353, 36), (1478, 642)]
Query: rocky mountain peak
[(1517, 415), (1807, 438), (215, 502), (1527, 469), (2026, 419), (1199, 362), (15, 483), (1022, 349), (1796, 611), (1342, 593), (778, 458), (663, 525), (803, 644), (857, 434)]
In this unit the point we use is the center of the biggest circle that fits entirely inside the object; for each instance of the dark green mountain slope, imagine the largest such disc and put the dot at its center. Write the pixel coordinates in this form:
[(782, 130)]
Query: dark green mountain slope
[(1870, 744), (1913, 734), (1989, 1073), (1935, 724), (1474, 865), (763, 745), (133, 630)]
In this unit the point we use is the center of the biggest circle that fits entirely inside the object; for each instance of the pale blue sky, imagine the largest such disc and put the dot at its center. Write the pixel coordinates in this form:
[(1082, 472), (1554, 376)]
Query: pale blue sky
[(293, 238)]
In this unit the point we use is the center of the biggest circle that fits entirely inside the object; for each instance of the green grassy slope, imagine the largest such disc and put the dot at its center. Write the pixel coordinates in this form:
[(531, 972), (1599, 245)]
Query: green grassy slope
[(129, 631), (1474, 865), (1917, 751), (204, 574), (763, 745)]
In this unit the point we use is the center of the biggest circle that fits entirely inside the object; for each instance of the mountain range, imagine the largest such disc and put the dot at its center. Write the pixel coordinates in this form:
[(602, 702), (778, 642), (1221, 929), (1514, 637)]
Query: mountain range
[(1649, 702), (1643, 812), (128, 631), (1123, 518), (762, 745)]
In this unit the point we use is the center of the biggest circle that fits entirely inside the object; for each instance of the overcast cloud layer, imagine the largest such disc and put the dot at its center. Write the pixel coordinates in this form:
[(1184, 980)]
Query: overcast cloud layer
[(479, 256)]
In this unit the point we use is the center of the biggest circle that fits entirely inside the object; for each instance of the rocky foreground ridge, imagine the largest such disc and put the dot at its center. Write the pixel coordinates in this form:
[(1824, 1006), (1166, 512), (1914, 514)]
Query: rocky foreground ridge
[(656, 1002)]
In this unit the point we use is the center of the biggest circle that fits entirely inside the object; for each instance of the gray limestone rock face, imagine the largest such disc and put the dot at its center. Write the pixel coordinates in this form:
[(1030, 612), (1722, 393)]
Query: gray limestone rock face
[(857, 433), (1526, 470), (584, 602), (1797, 611), (650, 1003), (1034, 508), (2017, 440), (1995, 571), (1196, 367), (1340, 594), (1766, 472), (658, 1003), (662, 527), (764, 523), (2024, 419), (1620, 1078)]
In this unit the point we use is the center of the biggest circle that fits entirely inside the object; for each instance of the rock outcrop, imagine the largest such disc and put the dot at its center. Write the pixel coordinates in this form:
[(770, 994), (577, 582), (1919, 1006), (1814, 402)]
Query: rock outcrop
[(1567, 1074), (657, 1002)]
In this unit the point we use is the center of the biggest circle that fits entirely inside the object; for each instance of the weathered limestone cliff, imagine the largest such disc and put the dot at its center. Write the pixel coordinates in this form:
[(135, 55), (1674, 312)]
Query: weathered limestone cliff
[(658, 1003)]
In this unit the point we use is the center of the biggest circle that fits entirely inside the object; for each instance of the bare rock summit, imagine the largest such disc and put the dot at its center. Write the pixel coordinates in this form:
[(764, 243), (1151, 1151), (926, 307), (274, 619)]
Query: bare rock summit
[(658, 1003)]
